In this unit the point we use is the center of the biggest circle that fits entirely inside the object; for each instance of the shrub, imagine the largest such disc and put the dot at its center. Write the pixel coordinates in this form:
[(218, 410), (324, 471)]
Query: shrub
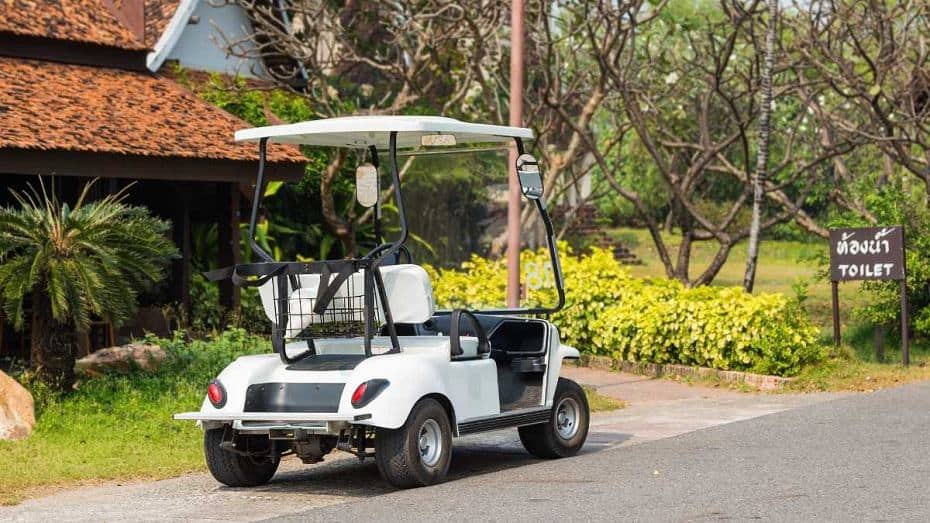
[(608, 312)]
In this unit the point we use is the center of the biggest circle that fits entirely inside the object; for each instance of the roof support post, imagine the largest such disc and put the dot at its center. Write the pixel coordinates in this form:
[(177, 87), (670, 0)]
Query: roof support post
[(257, 200)]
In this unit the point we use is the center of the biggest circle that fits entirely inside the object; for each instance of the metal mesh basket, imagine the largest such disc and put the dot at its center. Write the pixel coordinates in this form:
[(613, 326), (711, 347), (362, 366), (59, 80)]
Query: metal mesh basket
[(294, 299), (323, 299)]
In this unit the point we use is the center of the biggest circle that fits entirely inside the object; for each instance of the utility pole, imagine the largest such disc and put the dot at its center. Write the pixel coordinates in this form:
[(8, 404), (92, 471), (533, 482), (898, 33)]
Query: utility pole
[(513, 184)]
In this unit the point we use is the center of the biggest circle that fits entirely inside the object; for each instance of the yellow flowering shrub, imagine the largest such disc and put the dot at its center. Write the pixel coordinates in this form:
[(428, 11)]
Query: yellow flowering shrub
[(608, 312)]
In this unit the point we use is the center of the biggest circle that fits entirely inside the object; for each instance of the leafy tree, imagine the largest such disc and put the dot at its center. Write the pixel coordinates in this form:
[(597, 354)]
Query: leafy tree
[(404, 57), (873, 60), (74, 264)]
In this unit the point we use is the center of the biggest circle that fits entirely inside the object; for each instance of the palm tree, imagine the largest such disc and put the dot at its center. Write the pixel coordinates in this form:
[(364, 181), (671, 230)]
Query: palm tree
[(75, 263)]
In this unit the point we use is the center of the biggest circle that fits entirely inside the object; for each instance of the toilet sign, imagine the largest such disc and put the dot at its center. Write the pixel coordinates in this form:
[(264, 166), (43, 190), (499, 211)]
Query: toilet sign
[(868, 253)]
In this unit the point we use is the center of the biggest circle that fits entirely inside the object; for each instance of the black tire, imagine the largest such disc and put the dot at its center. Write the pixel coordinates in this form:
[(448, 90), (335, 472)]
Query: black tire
[(398, 453), (236, 470), (544, 440)]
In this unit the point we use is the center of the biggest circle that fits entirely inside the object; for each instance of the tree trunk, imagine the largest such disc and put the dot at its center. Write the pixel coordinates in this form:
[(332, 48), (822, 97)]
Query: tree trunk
[(54, 345), (758, 179)]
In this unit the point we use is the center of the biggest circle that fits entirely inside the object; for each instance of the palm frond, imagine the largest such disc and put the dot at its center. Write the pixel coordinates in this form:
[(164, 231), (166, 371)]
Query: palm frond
[(90, 259)]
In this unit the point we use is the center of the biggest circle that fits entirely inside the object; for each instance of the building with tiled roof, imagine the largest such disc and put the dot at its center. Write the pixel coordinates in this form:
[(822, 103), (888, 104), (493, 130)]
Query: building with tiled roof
[(77, 102)]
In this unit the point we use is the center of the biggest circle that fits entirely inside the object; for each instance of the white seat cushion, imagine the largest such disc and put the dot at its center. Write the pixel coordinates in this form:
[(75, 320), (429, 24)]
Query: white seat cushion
[(408, 289)]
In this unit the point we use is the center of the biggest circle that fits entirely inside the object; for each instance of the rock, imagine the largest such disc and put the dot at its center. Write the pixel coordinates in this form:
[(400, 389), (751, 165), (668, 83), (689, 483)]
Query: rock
[(17, 418), (121, 359)]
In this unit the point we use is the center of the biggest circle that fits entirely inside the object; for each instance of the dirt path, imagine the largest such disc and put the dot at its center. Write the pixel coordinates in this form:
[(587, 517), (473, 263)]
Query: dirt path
[(656, 409)]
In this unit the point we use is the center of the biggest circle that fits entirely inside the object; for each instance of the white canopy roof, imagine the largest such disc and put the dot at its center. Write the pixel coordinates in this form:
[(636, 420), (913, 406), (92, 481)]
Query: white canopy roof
[(364, 131)]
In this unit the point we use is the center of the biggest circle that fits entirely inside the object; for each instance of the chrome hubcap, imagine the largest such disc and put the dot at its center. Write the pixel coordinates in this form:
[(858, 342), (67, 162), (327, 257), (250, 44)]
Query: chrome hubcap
[(430, 443), (566, 418)]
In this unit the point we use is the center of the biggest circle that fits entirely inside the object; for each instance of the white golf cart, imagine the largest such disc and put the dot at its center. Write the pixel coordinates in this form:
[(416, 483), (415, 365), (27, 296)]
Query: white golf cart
[(364, 362)]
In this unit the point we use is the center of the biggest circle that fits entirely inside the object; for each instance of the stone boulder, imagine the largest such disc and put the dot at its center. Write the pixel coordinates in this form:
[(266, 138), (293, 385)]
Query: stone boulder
[(17, 418), (121, 359)]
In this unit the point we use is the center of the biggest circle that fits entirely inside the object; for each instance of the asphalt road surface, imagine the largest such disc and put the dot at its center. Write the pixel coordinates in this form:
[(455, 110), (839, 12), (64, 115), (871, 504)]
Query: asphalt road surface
[(856, 458)]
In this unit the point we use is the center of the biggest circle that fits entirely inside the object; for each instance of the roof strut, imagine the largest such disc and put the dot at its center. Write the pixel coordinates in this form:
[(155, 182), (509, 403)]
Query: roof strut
[(257, 201)]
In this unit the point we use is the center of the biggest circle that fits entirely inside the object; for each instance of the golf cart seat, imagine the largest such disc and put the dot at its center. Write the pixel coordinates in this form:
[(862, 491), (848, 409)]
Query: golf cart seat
[(407, 287)]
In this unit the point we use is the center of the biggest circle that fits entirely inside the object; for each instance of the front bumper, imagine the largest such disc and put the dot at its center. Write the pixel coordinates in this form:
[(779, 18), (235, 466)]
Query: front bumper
[(268, 416), (274, 422)]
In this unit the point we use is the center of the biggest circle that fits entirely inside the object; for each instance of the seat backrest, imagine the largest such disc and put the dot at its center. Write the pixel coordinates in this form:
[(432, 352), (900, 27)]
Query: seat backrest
[(409, 293), (407, 286)]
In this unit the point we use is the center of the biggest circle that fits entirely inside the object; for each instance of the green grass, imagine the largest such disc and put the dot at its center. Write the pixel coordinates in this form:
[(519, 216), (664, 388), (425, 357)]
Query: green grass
[(120, 427), (782, 264), (598, 402), (844, 371)]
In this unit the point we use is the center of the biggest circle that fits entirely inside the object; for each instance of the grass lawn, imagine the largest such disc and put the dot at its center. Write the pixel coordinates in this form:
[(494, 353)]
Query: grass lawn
[(118, 433), (598, 402), (120, 427)]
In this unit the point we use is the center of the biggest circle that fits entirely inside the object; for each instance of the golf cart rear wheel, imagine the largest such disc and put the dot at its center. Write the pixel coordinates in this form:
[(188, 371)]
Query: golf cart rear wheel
[(418, 453), (565, 432), (238, 470)]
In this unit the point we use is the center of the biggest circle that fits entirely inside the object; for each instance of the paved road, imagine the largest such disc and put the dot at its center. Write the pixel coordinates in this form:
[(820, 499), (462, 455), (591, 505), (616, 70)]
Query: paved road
[(657, 409), (857, 458)]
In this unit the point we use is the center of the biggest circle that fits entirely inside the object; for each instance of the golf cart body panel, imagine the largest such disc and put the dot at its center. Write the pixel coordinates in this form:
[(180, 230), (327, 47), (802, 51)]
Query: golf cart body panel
[(468, 383), (362, 357)]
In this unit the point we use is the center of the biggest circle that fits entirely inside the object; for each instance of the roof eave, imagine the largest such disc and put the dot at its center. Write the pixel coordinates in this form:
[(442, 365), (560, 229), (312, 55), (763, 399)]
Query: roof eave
[(171, 35)]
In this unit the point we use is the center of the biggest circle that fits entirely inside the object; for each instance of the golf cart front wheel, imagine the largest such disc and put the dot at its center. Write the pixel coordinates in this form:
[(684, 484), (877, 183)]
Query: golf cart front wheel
[(236, 469), (418, 453), (566, 431)]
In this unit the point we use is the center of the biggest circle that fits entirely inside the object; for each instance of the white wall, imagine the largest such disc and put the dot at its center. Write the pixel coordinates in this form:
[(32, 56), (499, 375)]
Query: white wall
[(201, 47)]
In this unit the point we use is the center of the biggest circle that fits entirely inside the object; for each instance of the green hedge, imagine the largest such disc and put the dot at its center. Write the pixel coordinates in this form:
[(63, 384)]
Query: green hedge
[(610, 313)]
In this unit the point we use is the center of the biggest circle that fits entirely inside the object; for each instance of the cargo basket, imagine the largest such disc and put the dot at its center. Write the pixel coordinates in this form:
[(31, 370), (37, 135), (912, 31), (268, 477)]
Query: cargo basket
[(325, 299)]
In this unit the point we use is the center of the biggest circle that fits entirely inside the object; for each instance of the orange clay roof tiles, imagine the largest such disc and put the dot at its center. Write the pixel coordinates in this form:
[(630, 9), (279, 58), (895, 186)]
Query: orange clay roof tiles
[(46, 105), (157, 15), (89, 21)]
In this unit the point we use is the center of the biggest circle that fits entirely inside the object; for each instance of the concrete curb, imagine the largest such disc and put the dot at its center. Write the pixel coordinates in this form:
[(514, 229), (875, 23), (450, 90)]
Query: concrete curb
[(760, 381)]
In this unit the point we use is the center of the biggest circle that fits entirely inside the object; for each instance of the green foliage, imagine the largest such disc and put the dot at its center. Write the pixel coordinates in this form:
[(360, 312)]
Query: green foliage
[(208, 316), (119, 426), (650, 320), (91, 259), (899, 206)]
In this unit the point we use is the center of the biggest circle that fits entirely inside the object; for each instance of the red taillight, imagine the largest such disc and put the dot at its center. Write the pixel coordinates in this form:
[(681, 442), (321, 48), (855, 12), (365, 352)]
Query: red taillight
[(359, 394), (367, 392), (216, 394)]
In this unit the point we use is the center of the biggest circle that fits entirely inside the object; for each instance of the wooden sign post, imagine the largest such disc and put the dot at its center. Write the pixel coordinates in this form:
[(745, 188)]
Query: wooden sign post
[(869, 253)]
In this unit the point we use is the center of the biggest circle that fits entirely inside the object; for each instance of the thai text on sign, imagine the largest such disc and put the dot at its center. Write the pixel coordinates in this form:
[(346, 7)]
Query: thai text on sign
[(867, 253)]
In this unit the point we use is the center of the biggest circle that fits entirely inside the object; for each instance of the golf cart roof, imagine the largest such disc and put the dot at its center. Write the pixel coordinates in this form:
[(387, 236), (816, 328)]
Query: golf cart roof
[(365, 131)]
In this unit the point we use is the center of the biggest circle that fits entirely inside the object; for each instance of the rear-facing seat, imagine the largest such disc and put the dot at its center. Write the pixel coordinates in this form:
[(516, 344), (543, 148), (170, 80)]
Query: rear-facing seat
[(407, 286), (409, 295)]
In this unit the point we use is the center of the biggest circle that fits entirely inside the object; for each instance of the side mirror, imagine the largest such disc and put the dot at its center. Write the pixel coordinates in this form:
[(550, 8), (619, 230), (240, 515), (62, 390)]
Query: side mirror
[(530, 178), (366, 185)]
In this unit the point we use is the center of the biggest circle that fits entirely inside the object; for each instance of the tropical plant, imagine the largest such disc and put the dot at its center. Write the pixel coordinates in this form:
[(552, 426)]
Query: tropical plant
[(75, 263)]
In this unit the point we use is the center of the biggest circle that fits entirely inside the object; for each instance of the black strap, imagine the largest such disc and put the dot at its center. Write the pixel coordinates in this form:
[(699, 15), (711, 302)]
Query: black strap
[(241, 277), (327, 289), (455, 344)]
